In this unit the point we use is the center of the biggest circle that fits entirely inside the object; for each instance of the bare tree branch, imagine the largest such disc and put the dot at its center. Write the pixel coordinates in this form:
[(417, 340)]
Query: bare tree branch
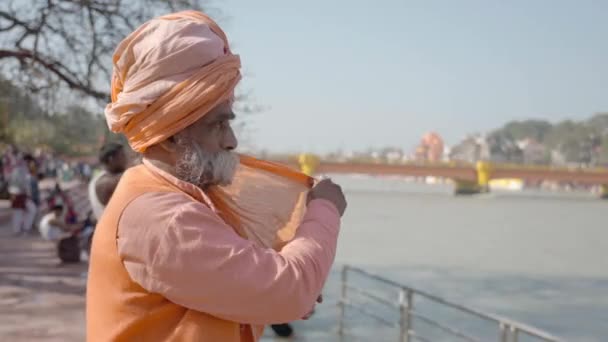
[(56, 69), (70, 42)]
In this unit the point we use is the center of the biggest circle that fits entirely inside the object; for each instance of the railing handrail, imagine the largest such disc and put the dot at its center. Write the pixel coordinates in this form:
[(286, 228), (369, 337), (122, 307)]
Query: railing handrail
[(427, 295), (514, 326)]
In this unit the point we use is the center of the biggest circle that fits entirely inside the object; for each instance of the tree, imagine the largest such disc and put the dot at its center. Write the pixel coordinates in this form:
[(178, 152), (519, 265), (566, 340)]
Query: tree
[(54, 49), (534, 129), (581, 142), (73, 131), (46, 44), (603, 152)]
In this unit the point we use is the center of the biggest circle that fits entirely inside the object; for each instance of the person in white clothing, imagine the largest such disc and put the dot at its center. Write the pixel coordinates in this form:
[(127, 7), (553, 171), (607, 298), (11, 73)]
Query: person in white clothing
[(54, 228), (101, 187), (22, 206), (66, 236)]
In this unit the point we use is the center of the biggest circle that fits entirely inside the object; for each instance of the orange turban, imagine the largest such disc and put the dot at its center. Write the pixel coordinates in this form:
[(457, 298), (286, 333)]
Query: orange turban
[(168, 74)]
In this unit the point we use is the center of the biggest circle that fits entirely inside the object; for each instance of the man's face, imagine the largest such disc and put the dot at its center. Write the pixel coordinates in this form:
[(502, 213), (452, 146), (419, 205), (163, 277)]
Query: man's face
[(213, 133), (205, 148)]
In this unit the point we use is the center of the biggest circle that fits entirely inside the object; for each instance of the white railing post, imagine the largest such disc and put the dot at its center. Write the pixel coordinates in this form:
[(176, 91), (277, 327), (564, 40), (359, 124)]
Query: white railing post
[(514, 334), (504, 332), (343, 301), (405, 319)]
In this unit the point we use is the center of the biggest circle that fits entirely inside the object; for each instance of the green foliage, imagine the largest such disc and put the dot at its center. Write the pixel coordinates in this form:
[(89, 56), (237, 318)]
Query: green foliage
[(535, 129), (73, 132), (579, 142), (603, 158)]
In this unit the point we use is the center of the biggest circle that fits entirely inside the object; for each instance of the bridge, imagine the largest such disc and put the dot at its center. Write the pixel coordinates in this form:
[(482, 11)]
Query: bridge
[(467, 178)]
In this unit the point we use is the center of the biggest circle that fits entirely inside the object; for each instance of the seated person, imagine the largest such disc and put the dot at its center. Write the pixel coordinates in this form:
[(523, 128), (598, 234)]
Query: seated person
[(54, 228)]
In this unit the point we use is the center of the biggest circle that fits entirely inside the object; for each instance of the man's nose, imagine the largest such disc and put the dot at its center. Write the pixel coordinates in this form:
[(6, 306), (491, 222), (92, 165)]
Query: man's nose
[(230, 142)]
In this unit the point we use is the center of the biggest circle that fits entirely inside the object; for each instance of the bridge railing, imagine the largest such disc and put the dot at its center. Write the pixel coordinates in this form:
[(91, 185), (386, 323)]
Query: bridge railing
[(505, 330)]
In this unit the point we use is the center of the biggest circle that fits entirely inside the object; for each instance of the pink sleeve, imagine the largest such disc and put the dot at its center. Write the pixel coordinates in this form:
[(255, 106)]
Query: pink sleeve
[(197, 261)]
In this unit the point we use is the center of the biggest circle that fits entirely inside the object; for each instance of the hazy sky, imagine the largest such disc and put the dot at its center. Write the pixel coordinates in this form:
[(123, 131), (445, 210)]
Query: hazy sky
[(354, 74)]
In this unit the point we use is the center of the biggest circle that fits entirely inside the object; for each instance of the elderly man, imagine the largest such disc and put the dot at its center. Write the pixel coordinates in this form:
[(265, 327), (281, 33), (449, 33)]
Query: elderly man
[(196, 244)]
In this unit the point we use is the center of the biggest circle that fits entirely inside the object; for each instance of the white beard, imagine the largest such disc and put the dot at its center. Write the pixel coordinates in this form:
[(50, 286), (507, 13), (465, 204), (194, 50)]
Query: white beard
[(201, 168)]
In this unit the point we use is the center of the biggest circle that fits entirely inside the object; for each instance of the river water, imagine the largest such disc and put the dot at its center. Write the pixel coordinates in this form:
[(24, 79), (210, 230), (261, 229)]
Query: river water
[(536, 257)]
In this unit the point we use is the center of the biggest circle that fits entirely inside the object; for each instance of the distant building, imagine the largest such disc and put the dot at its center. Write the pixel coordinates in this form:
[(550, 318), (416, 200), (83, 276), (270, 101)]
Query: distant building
[(504, 149), (534, 152), (494, 147), (431, 148), (472, 149), (392, 155), (558, 158)]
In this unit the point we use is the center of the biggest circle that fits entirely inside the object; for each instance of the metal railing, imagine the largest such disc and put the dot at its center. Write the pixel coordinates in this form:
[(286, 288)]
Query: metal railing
[(507, 330)]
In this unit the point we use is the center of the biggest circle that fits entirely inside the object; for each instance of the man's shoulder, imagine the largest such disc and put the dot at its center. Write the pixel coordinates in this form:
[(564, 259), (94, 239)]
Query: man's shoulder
[(158, 203), (162, 198), (106, 178), (152, 209)]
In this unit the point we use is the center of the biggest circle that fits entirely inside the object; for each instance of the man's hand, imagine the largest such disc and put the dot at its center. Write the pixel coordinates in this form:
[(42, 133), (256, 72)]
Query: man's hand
[(328, 190), (309, 314)]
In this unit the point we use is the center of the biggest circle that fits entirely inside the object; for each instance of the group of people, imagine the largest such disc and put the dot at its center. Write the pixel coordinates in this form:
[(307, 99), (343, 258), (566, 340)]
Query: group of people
[(22, 184), (55, 216), (74, 238), (48, 164)]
